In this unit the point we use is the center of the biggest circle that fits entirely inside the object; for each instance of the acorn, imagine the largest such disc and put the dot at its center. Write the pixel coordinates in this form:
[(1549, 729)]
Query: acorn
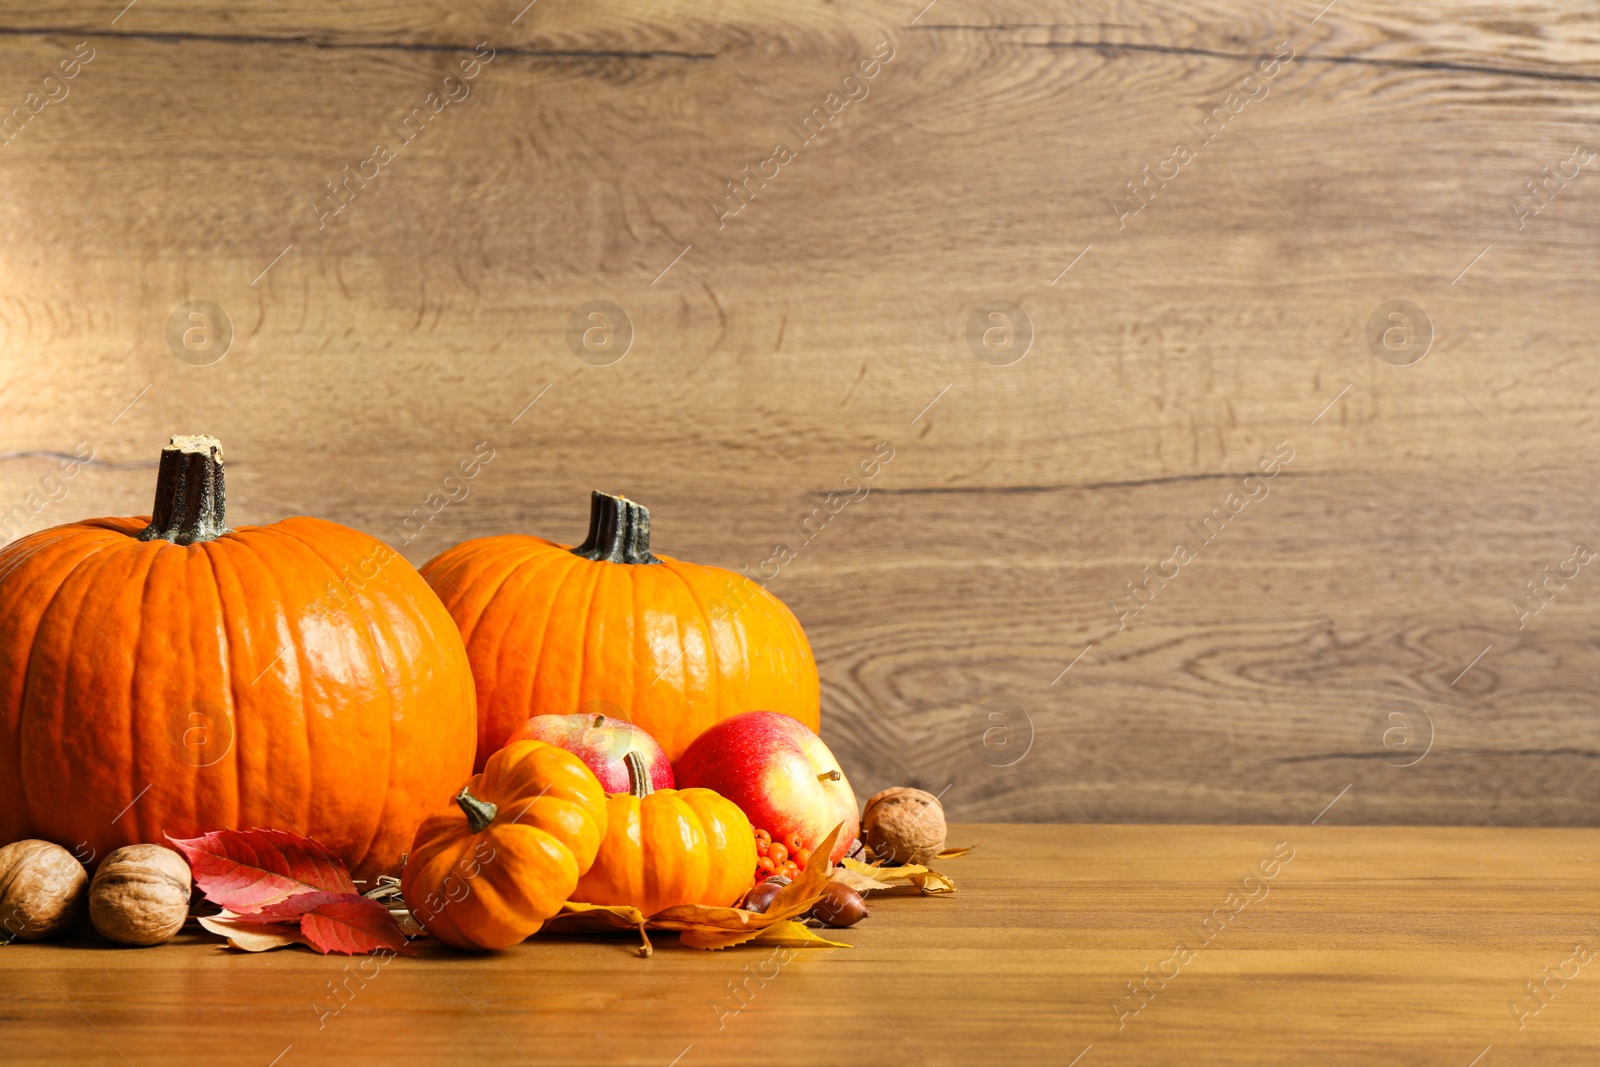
[(760, 898), (840, 906)]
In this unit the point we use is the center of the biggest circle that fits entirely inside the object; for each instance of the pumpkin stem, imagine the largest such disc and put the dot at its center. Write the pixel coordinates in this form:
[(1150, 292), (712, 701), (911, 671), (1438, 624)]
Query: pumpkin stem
[(829, 776), (480, 813), (639, 783), (191, 504), (619, 531)]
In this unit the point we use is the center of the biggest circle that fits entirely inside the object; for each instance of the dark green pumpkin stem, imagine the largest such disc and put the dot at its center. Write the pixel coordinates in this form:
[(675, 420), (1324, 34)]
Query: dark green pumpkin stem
[(480, 813), (619, 531), (191, 502), (639, 783)]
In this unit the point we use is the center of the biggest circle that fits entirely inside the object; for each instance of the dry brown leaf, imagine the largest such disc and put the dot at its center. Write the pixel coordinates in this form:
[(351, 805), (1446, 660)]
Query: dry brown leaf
[(700, 917), (604, 918), (932, 882), (873, 859), (250, 937), (576, 916), (699, 927), (704, 927), (408, 924), (911, 874)]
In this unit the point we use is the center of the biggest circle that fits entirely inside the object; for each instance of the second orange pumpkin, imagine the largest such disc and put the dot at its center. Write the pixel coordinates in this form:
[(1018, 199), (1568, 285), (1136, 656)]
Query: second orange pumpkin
[(668, 847), (609, 627)]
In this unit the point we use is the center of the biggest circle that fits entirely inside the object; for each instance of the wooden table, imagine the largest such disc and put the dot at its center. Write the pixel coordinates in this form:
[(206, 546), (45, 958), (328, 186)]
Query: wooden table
[(1350, 945)]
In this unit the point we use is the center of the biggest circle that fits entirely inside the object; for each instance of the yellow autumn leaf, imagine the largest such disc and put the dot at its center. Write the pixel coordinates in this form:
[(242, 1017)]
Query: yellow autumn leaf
[(787, 933), (793, 934), (861, 883), (707, 938), (884, 874), (701, 917)]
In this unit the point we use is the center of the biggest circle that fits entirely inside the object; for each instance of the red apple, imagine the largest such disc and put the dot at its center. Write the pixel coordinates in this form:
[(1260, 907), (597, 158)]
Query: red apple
[(602, 743), (779, 773)]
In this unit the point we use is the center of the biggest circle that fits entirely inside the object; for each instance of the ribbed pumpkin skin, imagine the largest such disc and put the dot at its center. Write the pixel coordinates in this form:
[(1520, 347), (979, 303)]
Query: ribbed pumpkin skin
[(493, 888), (551, 633), (675, 846), (352, 714)]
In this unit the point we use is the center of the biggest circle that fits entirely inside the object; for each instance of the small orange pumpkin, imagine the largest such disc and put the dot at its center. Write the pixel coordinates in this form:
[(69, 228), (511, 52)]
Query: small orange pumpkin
[(487, 871), (668, 847), (673, 647)]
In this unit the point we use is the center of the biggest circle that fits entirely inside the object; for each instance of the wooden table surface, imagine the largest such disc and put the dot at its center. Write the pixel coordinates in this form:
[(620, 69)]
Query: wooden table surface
[(1358, 945)]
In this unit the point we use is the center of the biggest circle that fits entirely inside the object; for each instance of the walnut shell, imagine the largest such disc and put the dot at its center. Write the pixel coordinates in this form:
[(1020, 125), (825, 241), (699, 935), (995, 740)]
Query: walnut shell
[(140, 895), (41, 890), (903, 825)]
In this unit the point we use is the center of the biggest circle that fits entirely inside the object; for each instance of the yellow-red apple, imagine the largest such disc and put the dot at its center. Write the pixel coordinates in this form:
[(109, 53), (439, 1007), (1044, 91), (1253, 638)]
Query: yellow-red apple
[(602, 743), (779, 773)]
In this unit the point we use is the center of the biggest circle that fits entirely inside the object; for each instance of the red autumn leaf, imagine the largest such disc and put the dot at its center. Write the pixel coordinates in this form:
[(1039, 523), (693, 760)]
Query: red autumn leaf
[(246, 870), (352, 925), (346, 923)]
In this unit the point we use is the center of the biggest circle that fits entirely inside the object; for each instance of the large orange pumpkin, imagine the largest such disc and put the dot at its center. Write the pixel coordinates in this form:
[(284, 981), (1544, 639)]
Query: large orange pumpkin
[(488, 870), (673, 647), (668, 847), (172, 676)]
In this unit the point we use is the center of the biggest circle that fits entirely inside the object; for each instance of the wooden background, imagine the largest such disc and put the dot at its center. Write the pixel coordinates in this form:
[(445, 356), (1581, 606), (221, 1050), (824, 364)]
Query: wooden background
[(772, 353)]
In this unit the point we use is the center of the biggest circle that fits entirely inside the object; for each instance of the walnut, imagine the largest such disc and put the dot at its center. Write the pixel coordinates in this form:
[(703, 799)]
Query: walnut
[(41, 890), (903, 825), (140, 895)]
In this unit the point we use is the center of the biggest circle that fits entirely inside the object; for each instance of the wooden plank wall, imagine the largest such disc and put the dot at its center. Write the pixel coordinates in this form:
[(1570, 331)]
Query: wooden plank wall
[(1296, 171)]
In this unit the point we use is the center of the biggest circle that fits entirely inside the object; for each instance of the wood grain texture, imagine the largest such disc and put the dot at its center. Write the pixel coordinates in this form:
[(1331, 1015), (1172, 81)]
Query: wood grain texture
[(773, 349), (1368, 945)]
